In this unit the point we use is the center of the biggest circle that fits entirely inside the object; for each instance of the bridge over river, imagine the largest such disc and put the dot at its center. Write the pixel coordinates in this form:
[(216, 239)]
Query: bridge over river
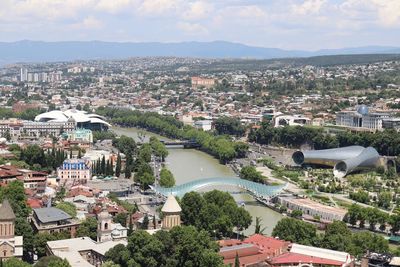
[(256, 189)]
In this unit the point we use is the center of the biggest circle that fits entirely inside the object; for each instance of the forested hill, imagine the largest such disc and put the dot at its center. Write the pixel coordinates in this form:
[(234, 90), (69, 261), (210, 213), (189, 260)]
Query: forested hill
[(319, 61), (345, 59)]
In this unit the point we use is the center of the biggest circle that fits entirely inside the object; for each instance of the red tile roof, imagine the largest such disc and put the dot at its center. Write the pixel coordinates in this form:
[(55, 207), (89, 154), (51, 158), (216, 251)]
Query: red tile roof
[(34, 203), (294, 258), (267, 244)]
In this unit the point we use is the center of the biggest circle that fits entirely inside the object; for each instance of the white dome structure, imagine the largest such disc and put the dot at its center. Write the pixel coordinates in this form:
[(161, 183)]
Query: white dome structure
[(81, 118)]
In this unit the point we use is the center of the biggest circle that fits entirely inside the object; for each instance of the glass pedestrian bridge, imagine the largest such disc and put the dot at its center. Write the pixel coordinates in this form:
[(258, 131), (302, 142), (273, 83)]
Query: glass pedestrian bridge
[(258, 190)]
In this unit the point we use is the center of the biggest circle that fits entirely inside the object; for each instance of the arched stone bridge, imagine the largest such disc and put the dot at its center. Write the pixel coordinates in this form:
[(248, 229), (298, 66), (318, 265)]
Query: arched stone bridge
[(259, 190)]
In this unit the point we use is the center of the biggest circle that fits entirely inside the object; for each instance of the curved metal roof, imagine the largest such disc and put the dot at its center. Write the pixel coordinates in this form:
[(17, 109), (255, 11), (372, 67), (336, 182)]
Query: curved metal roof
[(260, 190), (77, 115)]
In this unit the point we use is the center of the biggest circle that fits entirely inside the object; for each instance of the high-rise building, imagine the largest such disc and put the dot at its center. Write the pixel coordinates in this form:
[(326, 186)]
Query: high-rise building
[(23, 75), (30, 77)]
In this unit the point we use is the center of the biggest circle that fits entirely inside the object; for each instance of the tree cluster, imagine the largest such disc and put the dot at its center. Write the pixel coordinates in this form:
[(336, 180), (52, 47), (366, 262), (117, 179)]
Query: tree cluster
[(103, 167), (40, 159), (250, 173), (214, 211), (386, 142), (337, 237), (357, 215), (222, 147), (182, 246), (230, 126), (166, 178)]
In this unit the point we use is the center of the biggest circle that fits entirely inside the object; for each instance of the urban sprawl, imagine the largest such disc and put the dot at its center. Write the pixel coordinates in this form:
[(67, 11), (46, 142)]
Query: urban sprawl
[(85, 178)]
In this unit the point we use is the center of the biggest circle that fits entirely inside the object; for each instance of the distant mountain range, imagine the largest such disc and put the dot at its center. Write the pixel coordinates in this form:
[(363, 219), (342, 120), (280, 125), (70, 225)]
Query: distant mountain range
[(37, 51)]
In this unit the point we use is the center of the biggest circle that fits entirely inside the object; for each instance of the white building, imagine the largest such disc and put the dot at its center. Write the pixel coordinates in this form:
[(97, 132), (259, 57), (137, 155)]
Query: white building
[(23, 75), (362, 118), (81, 118), (205, 125), (311, 208), (82, 251), (18, 128), (291, 120)]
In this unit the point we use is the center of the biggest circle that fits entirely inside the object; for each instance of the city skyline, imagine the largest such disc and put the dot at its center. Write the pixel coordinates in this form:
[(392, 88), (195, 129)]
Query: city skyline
[(289, 24)]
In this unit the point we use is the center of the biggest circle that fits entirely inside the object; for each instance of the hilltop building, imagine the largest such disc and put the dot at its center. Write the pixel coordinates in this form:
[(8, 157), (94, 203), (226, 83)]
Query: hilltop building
[(10, 245), (172, 213), (362, 118)]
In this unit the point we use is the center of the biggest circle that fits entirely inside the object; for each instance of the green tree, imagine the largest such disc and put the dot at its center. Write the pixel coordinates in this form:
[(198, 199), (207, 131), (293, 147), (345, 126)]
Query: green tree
[(88, 228), (258, 228), (250, 173), (118, 166), (166, 178), (145, 180), (145, 152), (296, 214), (59, 263), (110, 264), (121, 218), (103, 165), (237, 262), (384, 199), (125, 144), (192, 203), (52, 261), (14, 262), (41, 239), (145, 223), (337, 237), (67, 207), (294, 230), (215, 211), (365, 241), (159, 149)]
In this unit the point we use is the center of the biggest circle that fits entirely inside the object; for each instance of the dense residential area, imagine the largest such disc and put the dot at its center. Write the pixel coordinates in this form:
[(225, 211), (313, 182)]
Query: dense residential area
[(168, 161)]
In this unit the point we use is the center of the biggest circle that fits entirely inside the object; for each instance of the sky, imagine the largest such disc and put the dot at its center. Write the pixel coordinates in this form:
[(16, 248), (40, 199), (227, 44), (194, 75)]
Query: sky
[(285, 24)]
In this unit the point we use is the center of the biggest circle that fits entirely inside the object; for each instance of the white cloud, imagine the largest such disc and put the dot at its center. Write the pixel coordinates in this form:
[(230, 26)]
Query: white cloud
[(116, 6), (192, 28), (388, 12), (251, 12), (88, 23), (198, 10), (50, 9), (159, 7), (308, 7)]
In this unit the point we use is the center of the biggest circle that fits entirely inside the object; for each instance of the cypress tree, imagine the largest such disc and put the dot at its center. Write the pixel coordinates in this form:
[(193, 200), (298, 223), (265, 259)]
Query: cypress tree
[(118, 166), (103, 165), (237, 262)]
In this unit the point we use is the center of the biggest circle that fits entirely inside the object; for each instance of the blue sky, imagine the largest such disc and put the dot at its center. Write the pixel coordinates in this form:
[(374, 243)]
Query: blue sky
[(287, 24)]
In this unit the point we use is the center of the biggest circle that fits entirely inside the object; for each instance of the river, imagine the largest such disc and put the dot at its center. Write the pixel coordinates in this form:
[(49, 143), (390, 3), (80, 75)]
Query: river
[(191, 164)]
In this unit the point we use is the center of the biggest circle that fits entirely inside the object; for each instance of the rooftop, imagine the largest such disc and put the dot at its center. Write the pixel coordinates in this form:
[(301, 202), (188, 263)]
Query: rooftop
[(6, 212), (69, 249), (171, 205), (46, 215)]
